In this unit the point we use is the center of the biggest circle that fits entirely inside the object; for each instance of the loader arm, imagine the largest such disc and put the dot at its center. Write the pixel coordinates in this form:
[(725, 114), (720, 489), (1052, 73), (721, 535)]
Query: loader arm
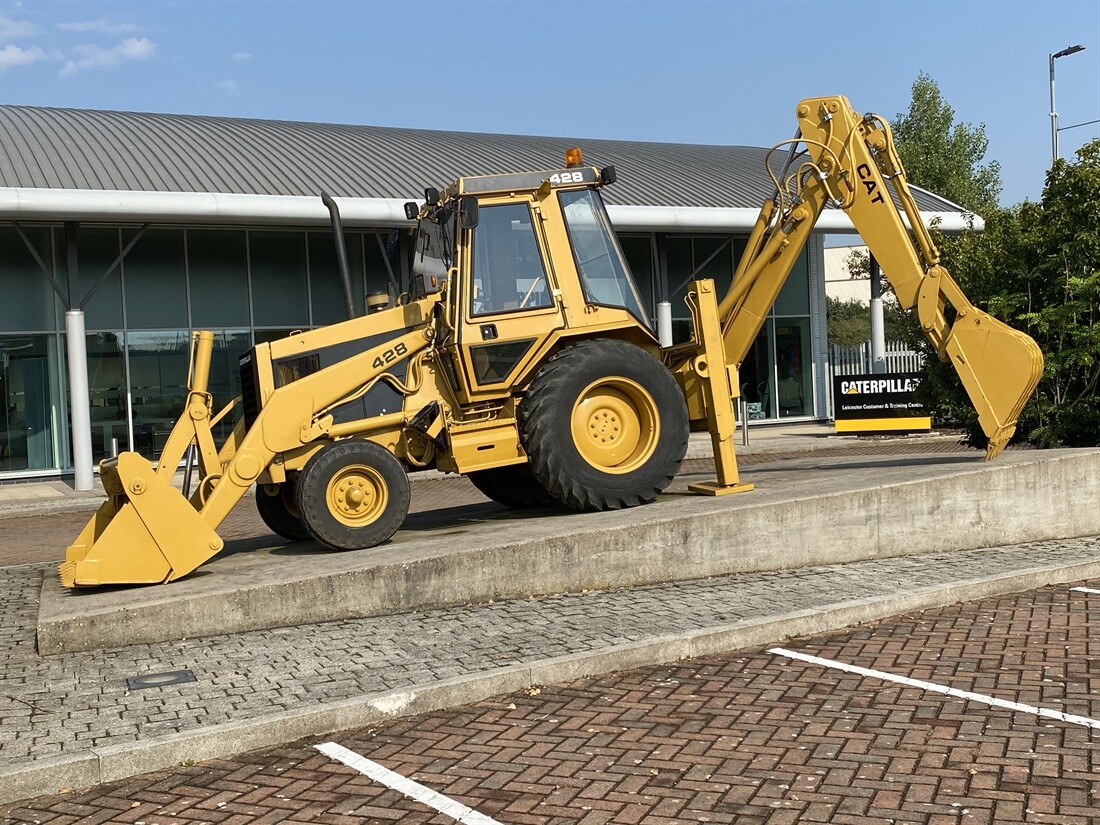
[(848, 162), (147, 532)]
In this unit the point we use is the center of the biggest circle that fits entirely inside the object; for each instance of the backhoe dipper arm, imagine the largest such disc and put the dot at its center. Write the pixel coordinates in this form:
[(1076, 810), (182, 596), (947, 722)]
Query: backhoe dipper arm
[(848, 161)]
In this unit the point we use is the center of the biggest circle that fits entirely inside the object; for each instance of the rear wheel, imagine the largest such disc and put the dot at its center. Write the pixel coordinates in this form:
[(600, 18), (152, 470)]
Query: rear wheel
[(277, 505), (353, 494), (605, 426), (512, 486)]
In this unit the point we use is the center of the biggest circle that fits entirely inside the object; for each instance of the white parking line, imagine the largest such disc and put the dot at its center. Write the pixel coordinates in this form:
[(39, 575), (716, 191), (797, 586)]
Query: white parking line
[(445, 805), (1085, 590), (931, 686)]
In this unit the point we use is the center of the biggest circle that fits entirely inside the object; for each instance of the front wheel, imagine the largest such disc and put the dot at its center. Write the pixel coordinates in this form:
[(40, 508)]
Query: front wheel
[(353, 494), (604, 425)]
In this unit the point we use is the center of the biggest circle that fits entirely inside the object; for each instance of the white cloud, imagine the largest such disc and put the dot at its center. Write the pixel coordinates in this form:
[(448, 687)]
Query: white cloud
[(11, 28), (229, 87), (14, 56), (241, 57), (98, 26), (91, 57)]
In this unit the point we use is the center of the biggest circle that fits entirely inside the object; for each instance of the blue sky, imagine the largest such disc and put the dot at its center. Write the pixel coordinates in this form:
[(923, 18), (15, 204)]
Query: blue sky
[(687, 71)]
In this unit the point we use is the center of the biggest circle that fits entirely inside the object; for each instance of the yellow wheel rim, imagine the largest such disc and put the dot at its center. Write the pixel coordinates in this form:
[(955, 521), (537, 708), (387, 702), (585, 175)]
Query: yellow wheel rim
[(357, 495), (615, 425)]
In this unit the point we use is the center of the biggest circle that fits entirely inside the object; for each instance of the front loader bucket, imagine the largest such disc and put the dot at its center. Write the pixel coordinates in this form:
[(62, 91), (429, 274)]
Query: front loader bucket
[(145, 533), (999, 367)]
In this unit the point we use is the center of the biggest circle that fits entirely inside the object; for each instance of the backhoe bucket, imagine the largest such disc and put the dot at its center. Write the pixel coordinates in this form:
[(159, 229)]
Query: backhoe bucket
[(999, 367), (145, 533)]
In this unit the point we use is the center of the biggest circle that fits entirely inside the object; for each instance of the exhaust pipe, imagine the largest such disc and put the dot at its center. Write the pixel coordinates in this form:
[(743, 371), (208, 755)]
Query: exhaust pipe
[(341, 252)]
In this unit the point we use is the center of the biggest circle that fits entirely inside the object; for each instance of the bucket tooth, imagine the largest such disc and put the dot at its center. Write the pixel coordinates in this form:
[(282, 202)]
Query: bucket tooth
[(998, 441), (66, 571)]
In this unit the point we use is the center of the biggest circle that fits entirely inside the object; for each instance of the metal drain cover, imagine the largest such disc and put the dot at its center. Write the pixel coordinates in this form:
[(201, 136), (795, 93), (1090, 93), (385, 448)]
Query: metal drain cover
[(151, 680)]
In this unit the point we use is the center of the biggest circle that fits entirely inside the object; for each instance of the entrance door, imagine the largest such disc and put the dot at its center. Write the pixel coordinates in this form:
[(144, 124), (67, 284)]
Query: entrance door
[(36, 385)]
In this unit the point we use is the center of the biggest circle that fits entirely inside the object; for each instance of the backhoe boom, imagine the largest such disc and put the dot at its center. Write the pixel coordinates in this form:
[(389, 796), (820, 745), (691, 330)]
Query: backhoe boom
[(850, 162)]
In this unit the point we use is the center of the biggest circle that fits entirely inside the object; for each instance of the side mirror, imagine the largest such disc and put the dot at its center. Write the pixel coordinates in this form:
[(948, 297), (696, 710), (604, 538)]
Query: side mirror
[(467, 212)]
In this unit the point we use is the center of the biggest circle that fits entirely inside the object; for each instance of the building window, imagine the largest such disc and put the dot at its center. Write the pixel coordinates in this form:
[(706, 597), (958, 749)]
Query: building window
[(97, 249), (218, 278), (156, 285), (21, 275), (688, 260), (325, 286), (277, 261), (107, 391), (30, 406)]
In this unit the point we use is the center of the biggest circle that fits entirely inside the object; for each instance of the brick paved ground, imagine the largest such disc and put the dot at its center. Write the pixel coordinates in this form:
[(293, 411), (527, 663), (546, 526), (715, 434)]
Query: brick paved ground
[(743, 738), (66, 705)]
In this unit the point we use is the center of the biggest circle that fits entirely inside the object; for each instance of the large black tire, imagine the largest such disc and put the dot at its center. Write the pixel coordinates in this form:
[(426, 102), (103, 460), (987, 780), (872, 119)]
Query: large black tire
[(604, 425), (277, 505), (353, 494), (512, 486)]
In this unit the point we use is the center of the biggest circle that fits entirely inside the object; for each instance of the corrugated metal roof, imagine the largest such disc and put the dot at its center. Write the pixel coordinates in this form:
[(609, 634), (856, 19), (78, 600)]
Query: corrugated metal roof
[(44, 148)]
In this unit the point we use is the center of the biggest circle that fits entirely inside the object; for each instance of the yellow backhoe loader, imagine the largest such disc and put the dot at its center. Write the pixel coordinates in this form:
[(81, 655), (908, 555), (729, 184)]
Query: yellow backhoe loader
[(523, 358)]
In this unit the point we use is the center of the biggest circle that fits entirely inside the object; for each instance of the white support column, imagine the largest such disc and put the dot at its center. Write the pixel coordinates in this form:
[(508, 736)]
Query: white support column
[(878, 325), (878, 337), (664, 323), (79, 402), (819, 327)]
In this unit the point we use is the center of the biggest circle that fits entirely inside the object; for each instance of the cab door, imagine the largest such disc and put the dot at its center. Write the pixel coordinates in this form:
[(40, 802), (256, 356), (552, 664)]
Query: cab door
[(509, 305)]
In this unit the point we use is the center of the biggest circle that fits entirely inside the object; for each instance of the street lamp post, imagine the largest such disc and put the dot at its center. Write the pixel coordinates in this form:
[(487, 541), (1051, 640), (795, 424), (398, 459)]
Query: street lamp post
[(1053, 113)]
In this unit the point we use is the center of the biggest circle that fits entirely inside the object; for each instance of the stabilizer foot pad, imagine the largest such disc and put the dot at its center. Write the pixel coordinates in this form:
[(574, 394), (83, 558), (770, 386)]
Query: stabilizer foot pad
[(713, 488)]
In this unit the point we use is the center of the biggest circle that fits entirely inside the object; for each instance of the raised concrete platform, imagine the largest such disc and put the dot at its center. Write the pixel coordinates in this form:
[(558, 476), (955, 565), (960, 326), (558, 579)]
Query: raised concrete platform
[(805, 511)]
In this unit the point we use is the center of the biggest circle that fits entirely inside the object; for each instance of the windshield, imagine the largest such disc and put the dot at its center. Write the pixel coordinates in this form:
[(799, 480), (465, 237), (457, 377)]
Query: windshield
[(600, 263)]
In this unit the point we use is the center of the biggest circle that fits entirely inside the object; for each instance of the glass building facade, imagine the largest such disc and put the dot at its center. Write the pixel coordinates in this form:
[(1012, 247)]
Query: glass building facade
[(253, 285)]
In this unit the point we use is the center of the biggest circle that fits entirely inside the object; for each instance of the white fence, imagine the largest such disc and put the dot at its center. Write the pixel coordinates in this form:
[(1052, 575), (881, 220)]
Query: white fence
[(857, 359)]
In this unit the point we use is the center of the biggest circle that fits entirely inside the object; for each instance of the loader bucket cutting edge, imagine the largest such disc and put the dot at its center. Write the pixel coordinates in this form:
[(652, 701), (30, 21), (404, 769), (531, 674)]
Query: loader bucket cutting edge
[(148, 534)]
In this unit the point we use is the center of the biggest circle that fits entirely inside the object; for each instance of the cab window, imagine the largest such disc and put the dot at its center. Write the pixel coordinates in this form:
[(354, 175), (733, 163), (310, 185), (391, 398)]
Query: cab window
[(508, 272), (600, 263)]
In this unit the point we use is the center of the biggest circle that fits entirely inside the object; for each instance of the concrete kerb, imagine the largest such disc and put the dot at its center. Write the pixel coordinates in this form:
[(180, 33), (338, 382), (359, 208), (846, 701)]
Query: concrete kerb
[(1031, 498), (118, 762)]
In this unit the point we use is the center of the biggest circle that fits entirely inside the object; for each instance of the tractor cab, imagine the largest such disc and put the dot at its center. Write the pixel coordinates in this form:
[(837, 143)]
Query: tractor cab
[(525, 260)]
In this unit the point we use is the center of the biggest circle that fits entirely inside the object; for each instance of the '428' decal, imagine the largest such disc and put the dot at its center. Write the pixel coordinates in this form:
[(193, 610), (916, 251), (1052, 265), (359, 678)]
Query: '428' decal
[(389, 356), (567, 177)]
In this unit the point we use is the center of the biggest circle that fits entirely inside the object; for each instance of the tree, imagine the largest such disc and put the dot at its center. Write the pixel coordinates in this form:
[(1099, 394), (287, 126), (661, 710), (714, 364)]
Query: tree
[(1037, 267), (849, 322), (942, 156)]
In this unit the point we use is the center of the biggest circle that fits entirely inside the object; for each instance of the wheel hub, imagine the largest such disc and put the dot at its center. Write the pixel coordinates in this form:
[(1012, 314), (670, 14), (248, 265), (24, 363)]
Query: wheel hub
[(614, 425), (357, 496)]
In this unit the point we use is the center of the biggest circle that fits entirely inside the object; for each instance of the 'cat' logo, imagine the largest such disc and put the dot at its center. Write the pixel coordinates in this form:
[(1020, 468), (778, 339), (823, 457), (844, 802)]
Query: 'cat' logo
[(864, 172)]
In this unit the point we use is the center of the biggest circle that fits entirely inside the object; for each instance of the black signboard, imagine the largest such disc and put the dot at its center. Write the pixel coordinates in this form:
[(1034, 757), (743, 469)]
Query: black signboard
[(877, 403)]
